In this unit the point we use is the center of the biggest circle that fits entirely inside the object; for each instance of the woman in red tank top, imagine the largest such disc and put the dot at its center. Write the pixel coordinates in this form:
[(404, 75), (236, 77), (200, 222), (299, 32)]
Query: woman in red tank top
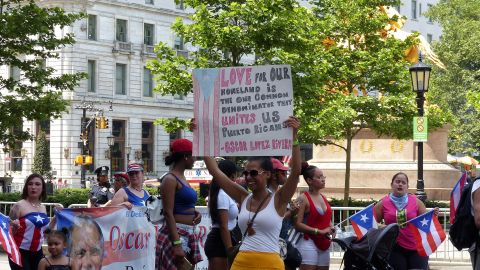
[(314, 220)]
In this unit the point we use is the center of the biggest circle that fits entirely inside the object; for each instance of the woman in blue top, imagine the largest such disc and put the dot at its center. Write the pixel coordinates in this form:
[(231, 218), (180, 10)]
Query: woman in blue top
[(133, 194), (176, 239)]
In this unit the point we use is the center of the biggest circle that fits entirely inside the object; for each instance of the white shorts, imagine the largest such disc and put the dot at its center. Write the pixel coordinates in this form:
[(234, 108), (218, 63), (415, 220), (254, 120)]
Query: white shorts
[(311, 255)]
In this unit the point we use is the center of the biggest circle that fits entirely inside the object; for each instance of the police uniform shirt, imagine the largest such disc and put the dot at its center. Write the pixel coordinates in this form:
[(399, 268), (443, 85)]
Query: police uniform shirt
[(103, 194)]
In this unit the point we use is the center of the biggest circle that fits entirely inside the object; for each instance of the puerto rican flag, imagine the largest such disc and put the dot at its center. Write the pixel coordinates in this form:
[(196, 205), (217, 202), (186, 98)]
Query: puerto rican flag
[(363, 221), (6, 239), (206, 90), (29, 235), (456, 195), (428, 233)]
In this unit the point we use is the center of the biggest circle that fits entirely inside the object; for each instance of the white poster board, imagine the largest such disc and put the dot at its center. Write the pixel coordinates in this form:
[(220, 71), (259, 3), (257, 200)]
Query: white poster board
[(240, 111)]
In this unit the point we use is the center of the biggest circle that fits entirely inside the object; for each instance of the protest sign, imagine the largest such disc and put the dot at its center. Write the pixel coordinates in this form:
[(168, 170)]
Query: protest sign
[(109, 238), (240, 111)]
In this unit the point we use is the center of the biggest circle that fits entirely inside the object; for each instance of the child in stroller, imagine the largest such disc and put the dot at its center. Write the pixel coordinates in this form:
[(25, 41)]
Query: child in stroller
[(372, 251)]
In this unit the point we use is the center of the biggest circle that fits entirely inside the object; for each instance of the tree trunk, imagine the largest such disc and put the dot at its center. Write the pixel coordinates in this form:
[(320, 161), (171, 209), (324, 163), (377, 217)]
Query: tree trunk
[(348, 152)]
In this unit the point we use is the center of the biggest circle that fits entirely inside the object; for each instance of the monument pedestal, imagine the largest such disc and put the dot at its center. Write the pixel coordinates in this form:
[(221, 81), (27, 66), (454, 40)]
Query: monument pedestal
[(376, 159)]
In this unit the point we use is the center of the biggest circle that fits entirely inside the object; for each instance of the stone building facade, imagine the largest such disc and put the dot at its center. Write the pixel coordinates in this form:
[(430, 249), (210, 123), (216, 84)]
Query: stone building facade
[(113, 44)]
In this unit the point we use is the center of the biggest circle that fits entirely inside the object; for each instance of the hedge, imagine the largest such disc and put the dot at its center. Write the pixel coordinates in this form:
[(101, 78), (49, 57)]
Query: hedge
[(68, 196)]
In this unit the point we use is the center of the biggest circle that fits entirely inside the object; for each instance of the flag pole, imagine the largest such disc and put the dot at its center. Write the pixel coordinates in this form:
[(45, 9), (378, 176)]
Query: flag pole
[(415, 218)]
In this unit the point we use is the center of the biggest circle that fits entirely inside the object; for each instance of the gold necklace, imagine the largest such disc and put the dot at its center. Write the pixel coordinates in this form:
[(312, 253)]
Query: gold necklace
[(35, 205)]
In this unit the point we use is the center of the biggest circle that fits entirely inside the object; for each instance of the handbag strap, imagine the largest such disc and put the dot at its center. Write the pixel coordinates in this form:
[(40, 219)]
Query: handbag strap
[(250, 223)]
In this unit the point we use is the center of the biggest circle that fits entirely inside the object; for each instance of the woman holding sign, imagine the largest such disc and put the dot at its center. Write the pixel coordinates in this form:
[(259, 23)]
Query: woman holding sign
[(261, 211), (176, 241)]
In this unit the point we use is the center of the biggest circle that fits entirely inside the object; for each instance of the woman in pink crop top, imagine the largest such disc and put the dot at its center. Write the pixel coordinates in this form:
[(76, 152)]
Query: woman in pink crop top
[(398, 207)]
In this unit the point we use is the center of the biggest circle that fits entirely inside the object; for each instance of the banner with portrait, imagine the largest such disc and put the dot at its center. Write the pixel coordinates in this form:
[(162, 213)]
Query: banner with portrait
[(240, 111), (109, 238)]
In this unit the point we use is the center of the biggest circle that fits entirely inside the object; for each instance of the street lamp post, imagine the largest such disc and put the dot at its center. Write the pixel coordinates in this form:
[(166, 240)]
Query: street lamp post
[(420, 75), (111, 142)]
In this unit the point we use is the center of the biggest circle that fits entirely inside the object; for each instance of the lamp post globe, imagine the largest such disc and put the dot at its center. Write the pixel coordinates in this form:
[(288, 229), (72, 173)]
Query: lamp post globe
[(420, 76)]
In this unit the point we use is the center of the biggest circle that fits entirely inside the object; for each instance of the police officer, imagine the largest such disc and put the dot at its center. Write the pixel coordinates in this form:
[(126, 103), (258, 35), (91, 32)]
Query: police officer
[(101, 192)]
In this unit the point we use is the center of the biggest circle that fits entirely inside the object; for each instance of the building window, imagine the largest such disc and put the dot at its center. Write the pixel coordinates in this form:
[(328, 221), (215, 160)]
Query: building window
[(178, 43), (429, 6), (147, 83), (118, 151), (15, 73), (92, 27), (121, 79), (121, 30), (420, 10), (429, 38), (16, 158), (148, 30), (414, 9), (179, 4), (147, 146), (178, 97), (92, 73), (150, 2)]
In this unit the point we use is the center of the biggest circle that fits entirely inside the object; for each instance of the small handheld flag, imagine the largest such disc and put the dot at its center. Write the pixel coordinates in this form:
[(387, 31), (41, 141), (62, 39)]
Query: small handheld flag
[(6, 239), (363, 221), (456, 195), (428, 233)]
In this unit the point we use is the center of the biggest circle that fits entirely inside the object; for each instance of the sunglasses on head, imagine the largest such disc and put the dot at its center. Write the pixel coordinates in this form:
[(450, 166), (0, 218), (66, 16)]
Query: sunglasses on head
[(252, 173)]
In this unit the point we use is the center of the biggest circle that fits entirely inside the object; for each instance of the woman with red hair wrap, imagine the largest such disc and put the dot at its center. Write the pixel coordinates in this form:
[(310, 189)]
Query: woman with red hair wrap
[(176, 240), (314, 220)]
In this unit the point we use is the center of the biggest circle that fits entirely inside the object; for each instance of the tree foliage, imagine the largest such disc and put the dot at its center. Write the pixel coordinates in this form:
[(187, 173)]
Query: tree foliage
[(457, 88), (41, 161), (27, 39), (348, 73)]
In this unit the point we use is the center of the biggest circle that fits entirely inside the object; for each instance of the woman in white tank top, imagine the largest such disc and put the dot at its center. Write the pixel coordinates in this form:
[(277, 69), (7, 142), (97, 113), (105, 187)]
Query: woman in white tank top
[(259, 249)]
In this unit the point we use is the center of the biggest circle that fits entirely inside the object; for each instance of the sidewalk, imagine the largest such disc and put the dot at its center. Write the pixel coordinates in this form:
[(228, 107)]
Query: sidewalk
[(334, 266)]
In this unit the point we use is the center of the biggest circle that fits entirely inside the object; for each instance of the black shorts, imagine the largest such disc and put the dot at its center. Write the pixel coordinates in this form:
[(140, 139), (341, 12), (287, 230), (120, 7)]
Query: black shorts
[(214, 246)]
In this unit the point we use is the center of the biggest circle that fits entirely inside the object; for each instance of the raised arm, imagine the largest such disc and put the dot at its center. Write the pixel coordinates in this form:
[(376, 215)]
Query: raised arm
[(285, 193), (234, 190)]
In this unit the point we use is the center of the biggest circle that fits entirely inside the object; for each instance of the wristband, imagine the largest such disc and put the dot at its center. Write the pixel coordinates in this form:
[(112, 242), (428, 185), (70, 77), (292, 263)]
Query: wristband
[(177, 242), (296, 142), (316, 231)]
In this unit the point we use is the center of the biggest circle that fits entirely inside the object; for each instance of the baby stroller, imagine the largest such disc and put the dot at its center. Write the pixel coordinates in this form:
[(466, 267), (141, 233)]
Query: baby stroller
[(372, 251)]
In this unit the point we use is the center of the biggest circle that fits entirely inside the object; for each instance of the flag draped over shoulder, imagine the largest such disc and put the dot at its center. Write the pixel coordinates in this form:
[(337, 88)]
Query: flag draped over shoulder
[(428, 233), (456, 195), (6, 239), (363, 221)]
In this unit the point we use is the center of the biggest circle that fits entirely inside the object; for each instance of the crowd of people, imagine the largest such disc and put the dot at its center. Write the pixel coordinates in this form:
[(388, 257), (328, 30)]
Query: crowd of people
[(248, 219)]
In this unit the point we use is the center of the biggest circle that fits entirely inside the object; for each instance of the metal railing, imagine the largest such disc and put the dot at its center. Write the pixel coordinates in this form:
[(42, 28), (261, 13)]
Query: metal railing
[(446, 252), (5, 207)]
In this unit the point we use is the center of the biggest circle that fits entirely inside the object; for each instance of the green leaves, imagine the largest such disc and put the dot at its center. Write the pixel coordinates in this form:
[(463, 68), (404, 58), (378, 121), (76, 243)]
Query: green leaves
[(457, 88), (41, 160), (27, 38)]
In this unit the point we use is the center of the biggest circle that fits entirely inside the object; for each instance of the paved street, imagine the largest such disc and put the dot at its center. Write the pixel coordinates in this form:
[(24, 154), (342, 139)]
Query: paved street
[(335, 266)]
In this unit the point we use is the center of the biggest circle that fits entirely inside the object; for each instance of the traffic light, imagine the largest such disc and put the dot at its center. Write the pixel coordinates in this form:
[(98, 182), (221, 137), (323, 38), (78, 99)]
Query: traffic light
[(83, 160), (101, 122)]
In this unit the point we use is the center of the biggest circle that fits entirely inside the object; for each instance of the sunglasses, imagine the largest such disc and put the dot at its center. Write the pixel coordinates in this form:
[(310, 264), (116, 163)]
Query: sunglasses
[(252, 173)]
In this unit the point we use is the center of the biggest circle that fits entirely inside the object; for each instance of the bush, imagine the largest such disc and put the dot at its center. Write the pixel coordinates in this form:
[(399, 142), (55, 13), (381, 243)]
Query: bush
[(68, 196)]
